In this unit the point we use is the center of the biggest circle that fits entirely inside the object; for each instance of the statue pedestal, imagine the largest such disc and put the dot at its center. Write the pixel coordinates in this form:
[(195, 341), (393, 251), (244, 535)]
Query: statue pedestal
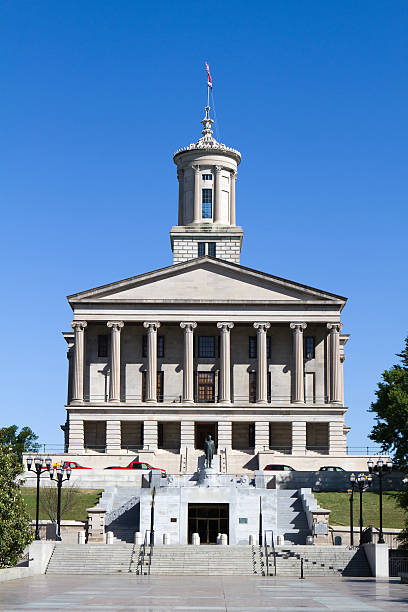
[(209, 477)]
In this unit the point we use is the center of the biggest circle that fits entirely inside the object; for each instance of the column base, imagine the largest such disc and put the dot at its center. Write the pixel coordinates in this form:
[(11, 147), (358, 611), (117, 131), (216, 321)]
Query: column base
[(298, 402), (261, 402), (151, 401), (188, 401), (114, 400), (224, 401)]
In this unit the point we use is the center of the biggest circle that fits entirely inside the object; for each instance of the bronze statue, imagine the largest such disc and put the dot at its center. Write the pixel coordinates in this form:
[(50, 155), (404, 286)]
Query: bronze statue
[(209, 448)]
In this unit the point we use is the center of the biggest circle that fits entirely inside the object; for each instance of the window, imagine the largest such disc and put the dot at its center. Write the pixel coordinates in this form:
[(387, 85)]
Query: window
[(207, 204), (252, 387), (253, 347), (309, 347), (103, 345), (206, 248), (206, 346), (160, 346), (211, 249), (159, 387), (207, 177), (205, 387)]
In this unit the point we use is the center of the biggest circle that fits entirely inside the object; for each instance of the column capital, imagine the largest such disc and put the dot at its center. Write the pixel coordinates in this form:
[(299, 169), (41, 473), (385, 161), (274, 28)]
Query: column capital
[(116, 325), (234, 174), (335, 327), (188, 325), (196, 169), (262, 326), (80, 325), (225, 325), (298, 326), (217, 169), (152, 325)]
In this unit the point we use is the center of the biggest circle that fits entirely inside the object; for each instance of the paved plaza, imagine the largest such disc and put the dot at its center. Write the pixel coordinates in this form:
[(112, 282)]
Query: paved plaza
[(226, 594)]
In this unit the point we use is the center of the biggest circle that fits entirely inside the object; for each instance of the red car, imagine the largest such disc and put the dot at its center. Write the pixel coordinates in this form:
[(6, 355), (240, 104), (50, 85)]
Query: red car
[(74, 466), (136, 465)]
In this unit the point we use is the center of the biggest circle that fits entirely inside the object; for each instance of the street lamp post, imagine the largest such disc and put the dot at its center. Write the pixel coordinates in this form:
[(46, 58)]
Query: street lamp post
[(38, 470), (363, 483), (351, 500), (152, 517), (378, 470), (58, 475)]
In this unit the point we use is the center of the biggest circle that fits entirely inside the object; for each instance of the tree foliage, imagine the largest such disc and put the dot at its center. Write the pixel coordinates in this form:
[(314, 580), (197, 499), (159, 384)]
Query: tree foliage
[(391, 408), (15, 530), (22, 442)]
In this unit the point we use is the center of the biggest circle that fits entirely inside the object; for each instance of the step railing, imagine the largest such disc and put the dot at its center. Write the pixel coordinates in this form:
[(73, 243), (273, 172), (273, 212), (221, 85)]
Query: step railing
[(273, 551), (142, 555)]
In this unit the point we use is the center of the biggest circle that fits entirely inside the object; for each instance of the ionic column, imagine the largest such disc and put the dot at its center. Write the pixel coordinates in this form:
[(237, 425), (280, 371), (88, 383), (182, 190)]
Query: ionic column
[(217, 202), (233, 178), (180, 176), (334, 361), (79, 354), (114, 390), (225, 362), (197, 211), (262, 365), (298, 374), (151, 378), (188, 370)]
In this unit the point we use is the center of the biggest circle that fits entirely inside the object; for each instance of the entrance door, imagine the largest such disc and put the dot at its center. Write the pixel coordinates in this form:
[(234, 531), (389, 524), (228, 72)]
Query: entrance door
[(201, 432), (208, 520)]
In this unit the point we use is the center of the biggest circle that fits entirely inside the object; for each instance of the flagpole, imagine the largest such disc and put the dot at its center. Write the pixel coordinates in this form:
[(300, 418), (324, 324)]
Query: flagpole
[(208, 95)]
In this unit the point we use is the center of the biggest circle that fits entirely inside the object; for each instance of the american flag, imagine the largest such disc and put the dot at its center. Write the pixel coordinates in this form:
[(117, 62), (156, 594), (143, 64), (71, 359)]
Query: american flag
[(209, 81)]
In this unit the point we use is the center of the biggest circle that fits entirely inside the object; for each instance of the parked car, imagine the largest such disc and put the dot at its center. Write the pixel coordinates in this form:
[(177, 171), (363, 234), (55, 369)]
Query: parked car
[(331, 468), (278, 467), (71, 464), (136, 465)]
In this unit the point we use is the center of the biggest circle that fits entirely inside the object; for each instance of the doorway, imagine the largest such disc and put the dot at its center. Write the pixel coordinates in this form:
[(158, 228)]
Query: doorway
[(201, 432), (208, 520)]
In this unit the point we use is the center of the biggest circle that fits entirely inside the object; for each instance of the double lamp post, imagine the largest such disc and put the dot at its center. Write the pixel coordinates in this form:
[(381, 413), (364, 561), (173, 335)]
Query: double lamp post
[(362, 482), (55, 474)]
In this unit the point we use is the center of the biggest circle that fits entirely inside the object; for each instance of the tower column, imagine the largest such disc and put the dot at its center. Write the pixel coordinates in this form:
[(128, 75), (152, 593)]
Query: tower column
[(79, 354), (298, 363), (151, 381), (225, 361), (188, 371), (114, 392), (262, 364), (334, 358), (196, 212), (217, 203), (233, 178), (180, 176)]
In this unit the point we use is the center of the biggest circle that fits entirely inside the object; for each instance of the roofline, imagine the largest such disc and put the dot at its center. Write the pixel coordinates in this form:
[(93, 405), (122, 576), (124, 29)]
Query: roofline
[(221, 262)]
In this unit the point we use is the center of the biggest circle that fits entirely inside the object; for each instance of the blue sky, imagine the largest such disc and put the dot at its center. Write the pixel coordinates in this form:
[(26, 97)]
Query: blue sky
[(95, 98)]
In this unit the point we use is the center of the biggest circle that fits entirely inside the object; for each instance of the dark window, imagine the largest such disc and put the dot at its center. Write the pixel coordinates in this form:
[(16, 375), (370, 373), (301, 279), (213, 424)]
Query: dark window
[(207, 204), (205, 390), (251, 435), (253, 347), (160, 346), (252, 387), (201, 249), (211, 249), (160, 437), (269, 386), (309, 347), (206, 346), (159, 388), (103, 345), (207, 177)]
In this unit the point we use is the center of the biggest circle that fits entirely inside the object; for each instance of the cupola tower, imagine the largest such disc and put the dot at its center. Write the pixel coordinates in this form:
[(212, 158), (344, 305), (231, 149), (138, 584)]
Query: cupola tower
[(206, 171)]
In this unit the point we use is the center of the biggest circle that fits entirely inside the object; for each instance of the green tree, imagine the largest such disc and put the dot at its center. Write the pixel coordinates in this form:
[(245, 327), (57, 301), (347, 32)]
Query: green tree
[(15, 529), (391, 408), (22, 442)]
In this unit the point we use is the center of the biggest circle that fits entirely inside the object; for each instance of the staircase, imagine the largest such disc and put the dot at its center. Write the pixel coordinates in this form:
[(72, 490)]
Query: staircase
[(205, 560), (92, 559), (122, 513), (320, 561), (291, 518)]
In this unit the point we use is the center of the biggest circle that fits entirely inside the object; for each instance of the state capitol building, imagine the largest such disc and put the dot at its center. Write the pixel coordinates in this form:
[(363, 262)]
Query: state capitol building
[(206, 346)]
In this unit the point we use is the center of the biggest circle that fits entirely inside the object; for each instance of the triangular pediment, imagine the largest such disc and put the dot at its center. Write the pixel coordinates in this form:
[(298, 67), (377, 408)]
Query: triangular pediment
[(205, 280)]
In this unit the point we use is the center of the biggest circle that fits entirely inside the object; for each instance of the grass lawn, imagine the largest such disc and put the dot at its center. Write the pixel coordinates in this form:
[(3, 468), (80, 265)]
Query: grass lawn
[(85, 498), (338, 503)]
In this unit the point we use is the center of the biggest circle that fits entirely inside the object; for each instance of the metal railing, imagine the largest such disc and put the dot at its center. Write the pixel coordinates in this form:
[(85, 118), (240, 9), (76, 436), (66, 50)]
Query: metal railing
[(142, 555), (398, 565), (267, 554)]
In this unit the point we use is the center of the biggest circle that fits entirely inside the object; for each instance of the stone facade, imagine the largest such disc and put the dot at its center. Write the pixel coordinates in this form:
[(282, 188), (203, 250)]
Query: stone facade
[(206, 345)]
